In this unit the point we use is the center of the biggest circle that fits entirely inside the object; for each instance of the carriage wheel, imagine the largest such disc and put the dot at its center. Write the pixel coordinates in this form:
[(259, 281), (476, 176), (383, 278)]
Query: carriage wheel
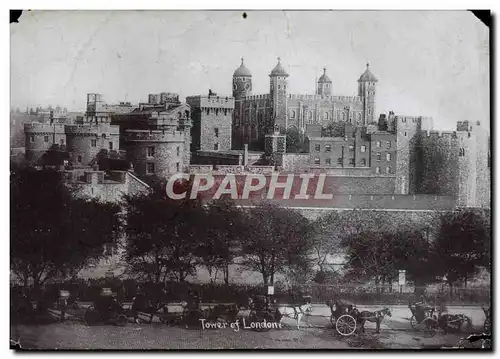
[(121, 320), (345, 325), (430, 326), (413, 322)]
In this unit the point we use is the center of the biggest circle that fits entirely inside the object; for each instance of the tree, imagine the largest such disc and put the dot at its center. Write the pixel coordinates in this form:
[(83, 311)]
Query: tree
[(334, 129), (294, 141), (276, 241), (224, 228), (162, 235), (54, 234), (462, 245)]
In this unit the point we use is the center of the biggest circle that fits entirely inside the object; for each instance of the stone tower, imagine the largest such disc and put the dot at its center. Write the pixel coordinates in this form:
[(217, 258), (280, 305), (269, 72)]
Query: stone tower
[(278, 85), (242, 82), (367, 84), (324, 86)]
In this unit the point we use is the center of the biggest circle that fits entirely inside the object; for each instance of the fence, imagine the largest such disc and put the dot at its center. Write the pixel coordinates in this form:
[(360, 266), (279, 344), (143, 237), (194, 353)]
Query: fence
[(176, 291)]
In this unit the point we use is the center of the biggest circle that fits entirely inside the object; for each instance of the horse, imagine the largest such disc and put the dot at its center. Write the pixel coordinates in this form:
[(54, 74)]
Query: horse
[(293, 311), (374, 317)]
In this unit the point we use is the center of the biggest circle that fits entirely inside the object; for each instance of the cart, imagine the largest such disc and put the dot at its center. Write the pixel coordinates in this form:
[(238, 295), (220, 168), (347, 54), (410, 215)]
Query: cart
[(429, 323), (344, 318), (105, 309)]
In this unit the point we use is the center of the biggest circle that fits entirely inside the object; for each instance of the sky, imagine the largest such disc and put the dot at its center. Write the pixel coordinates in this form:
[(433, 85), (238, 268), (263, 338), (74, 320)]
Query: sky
[(429, 63)]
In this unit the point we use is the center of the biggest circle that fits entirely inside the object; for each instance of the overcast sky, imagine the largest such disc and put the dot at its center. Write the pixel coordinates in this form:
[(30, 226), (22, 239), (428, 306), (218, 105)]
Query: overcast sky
[(428, 63)]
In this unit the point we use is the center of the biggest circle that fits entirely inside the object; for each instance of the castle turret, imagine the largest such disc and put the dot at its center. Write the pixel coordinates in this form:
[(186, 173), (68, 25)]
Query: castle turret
[(242, 82), (278, 85), (367, 91), (324, 86)]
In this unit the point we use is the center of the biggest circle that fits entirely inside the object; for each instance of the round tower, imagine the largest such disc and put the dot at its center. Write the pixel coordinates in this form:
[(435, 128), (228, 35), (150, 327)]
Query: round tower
[(40, 138), (367, 84), (324, 87), (156, 152), (278, 91), (84, 142), (242, 82)]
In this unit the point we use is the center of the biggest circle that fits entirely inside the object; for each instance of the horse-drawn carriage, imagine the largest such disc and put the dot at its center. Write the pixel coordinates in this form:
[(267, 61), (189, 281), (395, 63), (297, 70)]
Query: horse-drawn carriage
[(105, 309), (344, 317)]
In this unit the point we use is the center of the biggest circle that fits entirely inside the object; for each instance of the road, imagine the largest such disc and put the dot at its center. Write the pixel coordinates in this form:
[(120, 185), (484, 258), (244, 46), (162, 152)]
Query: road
[(315, 333)]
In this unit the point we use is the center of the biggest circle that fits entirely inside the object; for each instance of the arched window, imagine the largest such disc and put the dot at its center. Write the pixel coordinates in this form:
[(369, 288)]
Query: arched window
[(187, 114), (343, 116), (292, 114), (103, 136), (309, 115), (326, 115), (461, 152)]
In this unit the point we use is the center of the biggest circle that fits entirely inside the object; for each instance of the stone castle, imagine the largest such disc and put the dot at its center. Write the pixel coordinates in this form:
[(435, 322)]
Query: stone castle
[(391, 156)]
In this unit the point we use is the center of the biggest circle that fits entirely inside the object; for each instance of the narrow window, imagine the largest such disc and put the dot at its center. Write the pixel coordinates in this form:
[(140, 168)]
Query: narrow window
[(177, 166), (79, 159), (317, 148), (388, 157), (328, 161), (388, 169), (178, 151), (328, 148), (216, 132), (340, 161), (93, 143), (316, 161), (363, 162), (216, 147), (388, 144), (377, 170), (150, 168), (111, 145), (32, 138), (379, 144), (45, 139), (363, 148), (151, 151), (351, 162), (103, 136), (379, 156)]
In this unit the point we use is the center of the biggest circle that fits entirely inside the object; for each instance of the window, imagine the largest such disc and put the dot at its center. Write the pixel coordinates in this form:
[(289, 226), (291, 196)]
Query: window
[(362, 162), (388, 157), (388, 169), (405, 133), (177, 166), (151, 151), (351, 162), (216, 146), (79, 159), (461, 152), (61, 142), (32, 138), (93, 143), (309, 115), (351, 148), (340, 161), (316, 161), (279, 87), (150, 168), (317, 148), (111, 145), (388, 144), (292, 114), (403, 120), (103, 136), (369, 111), (45, 138), (379, 156), (328, 161), (328, 148), (363, 148), (326, 115), (216, 132), (178, 151), (377, 170), (379, 144)]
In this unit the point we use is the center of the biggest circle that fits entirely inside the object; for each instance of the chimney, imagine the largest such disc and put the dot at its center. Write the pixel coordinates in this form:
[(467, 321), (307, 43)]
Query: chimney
[(245, 155)]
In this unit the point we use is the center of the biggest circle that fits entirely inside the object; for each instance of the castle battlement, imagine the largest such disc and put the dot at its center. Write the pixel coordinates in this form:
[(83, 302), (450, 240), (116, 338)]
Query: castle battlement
[(257, 97), (211, 101), (154, 136), (92, 129), (347, 98), (441, 134), (37, 127), (323, 97)]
